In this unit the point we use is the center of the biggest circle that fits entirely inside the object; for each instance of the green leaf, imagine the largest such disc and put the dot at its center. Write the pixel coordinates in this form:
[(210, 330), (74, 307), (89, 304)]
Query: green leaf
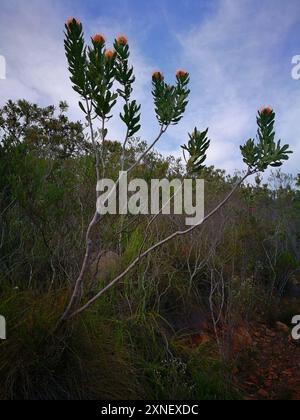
[(82, 107), (197, 148)]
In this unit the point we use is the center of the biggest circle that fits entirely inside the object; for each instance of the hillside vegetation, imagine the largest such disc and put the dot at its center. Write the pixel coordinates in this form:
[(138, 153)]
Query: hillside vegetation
[(115, 306), (177, 325)]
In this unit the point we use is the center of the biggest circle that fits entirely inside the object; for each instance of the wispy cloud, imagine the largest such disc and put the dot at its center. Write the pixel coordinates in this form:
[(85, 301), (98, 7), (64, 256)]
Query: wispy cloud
[(237, 63), (31, 43), (32, 36), (237, 51)]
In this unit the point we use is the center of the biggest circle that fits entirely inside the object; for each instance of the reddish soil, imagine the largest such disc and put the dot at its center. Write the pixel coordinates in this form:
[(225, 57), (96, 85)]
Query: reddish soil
[(270, 370)]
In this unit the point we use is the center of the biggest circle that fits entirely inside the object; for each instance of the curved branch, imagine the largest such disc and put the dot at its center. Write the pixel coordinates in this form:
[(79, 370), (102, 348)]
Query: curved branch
[(76, 292), (158, 245)]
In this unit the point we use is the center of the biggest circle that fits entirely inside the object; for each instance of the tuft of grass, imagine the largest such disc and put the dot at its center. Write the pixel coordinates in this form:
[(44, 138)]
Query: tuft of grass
[(84, 360), (100, 355)]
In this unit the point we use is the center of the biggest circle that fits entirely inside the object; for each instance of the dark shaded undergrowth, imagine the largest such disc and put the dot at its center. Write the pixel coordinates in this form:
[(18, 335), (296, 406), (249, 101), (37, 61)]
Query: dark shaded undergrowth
[(99, 357)]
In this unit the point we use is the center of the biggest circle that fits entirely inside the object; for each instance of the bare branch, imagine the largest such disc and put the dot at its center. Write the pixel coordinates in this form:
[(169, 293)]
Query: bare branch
[(158, 245)]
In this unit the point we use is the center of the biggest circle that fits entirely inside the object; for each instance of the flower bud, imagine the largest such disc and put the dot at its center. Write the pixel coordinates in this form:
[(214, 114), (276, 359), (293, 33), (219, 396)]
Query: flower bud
[(109, 54), (122, 40), (71, 20), (98, 39), (157, 76), (181, 74), (266, 111)]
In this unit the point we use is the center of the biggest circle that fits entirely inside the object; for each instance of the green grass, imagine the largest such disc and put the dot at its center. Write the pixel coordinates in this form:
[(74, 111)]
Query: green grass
[(99, 355)]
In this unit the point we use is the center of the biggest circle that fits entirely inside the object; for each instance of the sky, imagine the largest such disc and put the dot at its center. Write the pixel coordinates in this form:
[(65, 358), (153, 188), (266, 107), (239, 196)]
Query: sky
[(238, 53)]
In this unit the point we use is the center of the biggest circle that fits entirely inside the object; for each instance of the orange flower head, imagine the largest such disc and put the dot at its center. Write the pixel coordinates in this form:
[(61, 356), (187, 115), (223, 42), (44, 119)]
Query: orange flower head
[(109, 54), (266, 111), (71, 20), (157, 76), (98, 39), (122, 40), (180, 74)]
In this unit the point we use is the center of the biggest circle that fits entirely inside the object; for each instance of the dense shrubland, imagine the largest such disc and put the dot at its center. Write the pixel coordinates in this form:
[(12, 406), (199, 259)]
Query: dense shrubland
[(138, 340), (167, 329)]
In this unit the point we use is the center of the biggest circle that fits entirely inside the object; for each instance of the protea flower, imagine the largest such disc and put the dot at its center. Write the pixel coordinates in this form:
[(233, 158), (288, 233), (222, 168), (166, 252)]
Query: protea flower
[(71, 20), (181, 74), (109, 54), (157, 76), (122, 40), (266, 111), (98, 39)]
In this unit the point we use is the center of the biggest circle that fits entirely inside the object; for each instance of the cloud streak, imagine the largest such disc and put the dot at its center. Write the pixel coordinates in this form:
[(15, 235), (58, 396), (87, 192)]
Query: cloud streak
[(37, 65), (237, 66), (238, 53)]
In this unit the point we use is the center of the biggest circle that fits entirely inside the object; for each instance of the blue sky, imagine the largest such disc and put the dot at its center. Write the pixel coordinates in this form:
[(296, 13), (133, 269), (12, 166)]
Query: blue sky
[(238, 53)]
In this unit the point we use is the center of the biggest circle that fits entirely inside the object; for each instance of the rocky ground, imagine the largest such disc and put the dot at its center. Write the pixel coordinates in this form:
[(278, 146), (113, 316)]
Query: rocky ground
[(270, 369), (266, 361)]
